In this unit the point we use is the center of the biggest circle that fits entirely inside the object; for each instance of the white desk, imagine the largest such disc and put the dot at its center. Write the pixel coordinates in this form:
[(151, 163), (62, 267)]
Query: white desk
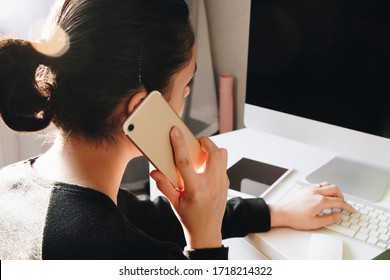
[(280, 243)]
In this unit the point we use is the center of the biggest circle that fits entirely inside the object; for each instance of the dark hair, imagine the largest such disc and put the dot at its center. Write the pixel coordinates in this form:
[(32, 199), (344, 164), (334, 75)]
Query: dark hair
[(115, 49)]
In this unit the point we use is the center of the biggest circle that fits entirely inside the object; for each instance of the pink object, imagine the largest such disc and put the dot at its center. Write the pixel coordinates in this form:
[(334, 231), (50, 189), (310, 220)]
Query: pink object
[(226, 103)]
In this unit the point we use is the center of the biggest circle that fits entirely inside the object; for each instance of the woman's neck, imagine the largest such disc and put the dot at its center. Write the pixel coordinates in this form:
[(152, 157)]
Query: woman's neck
[(77, 161)]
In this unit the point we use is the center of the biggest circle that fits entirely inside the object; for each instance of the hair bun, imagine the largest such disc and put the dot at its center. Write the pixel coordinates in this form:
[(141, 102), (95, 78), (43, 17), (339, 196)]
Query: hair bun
[(25, 123), (23, 106)]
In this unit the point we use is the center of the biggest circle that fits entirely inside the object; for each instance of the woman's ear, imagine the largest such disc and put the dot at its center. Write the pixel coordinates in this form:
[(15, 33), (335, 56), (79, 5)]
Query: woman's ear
[(135, 101), (129, 106)]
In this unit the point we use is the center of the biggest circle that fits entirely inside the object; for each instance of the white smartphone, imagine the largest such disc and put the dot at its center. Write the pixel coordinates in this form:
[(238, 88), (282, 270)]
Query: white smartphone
[(149, 126)]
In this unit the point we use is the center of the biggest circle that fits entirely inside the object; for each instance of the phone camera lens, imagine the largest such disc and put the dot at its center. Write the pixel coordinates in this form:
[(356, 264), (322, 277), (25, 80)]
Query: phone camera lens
[(130, 127)]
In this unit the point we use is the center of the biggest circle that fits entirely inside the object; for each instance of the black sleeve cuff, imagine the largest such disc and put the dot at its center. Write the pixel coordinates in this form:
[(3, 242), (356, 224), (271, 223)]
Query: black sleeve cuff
[(207, 254), (243, 216)]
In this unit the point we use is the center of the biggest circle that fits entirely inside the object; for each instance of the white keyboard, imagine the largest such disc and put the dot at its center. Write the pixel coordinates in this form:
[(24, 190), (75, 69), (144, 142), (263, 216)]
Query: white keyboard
[(370, 223)]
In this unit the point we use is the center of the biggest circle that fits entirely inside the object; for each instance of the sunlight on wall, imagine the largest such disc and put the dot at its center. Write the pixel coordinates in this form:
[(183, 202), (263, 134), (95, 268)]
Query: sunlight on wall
[(17, 16)]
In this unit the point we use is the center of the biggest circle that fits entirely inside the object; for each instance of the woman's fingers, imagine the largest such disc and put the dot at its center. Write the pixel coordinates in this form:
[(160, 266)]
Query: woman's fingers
[(329, 190), (333, 197), (181, 155), (164, 186), (335, 202), (217, 156), (201, 205), (320, 221)]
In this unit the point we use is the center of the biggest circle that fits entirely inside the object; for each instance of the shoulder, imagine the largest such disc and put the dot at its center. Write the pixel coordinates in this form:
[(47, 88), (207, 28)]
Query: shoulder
[(20, 176), (23, 205), (13, 173)]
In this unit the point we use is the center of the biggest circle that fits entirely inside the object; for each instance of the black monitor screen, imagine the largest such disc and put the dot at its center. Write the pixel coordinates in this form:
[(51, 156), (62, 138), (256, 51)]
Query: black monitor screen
[(326, 60)]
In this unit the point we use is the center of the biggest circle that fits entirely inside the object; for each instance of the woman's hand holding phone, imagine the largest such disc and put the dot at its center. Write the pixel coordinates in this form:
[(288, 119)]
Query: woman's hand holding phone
[(201, 205)]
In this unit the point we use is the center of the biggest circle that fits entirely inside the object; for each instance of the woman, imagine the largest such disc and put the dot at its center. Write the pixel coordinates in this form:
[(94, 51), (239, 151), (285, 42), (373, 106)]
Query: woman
[(66, 203)]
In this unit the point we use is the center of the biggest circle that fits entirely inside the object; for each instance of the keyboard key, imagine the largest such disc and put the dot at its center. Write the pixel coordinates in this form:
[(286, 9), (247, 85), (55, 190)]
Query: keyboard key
[(374, 221), (354, 221), (372, 240), (364, 218), (363, 224), (355, 227), (374, 233), (345, 218), (372, 214), (345, 224), (384, 224), (361, 236), (340, 229), (382, 218), (372, 227), (355, 215), (326, 211), (384, 237)]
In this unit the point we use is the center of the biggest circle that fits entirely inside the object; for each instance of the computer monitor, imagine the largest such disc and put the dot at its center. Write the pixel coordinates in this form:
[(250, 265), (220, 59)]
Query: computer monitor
[(319, 73)]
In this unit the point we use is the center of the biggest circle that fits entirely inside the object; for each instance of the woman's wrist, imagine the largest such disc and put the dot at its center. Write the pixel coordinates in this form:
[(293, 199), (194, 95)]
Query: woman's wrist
[(278, 217)]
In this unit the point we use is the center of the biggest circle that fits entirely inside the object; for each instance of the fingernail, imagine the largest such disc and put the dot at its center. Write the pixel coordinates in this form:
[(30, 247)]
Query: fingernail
[(176, 132)]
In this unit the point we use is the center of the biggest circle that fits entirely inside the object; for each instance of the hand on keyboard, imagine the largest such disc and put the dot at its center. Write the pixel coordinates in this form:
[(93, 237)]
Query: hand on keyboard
[(370, 223), (301, 211)]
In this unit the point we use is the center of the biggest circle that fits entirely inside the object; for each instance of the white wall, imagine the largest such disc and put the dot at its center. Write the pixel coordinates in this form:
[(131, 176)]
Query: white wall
[(16, 146), (229, 33), (18, 16)]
